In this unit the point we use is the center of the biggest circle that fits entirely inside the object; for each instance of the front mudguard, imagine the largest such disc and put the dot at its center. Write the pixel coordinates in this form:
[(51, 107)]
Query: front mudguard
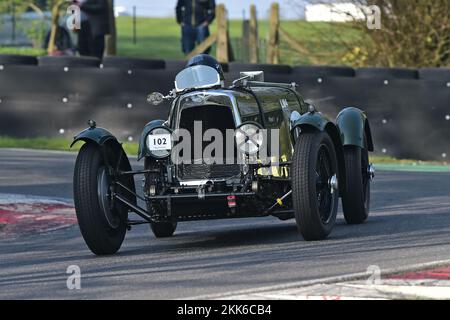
[(95, 135), (113, 154), (353, 125), (315, 121)]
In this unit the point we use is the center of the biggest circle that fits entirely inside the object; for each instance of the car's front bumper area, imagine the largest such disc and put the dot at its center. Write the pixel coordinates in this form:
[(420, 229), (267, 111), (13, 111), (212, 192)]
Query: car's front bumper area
[(208, 205)]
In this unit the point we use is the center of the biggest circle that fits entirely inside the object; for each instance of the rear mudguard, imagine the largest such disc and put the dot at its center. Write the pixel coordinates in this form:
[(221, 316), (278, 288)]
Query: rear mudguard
[(353, 125), (112, 151), (142, 143)]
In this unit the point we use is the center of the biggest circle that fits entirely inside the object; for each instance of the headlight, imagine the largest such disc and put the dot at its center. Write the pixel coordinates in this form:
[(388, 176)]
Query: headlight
[(249, 138), (159, 142)]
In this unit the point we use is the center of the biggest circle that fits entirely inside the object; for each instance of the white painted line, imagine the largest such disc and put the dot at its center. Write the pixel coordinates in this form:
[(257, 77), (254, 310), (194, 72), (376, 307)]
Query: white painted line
[(328, 280), (411, 291)]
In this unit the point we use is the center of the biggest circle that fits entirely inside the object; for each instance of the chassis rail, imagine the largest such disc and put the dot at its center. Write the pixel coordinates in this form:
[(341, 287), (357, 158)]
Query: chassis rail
[(144, 214)]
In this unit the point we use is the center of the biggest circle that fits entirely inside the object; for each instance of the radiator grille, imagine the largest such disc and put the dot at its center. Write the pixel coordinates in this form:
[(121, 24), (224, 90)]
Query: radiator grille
[(204, 171)]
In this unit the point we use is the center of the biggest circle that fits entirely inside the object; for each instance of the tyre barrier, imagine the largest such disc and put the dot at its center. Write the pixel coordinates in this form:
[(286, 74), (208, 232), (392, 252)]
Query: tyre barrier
[(176, 65), (409, 117), (15, 59), (267, 68), (69, 62), (387, 73), (323, 71), (437, 74), (133, 63)]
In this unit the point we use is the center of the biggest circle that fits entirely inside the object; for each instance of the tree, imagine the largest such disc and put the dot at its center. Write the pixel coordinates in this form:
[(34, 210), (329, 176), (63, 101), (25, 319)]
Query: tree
[(35, 30), (7, 6), (55, 6), (414, 33)]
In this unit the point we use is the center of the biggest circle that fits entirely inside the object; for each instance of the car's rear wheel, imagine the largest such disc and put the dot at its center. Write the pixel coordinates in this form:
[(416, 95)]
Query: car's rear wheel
[(163, 229), (314, 185), (356, 197), (102, 224)]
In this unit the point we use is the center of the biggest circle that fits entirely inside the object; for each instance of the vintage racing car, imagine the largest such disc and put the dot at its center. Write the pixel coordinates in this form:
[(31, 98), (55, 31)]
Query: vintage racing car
[(253, 149)]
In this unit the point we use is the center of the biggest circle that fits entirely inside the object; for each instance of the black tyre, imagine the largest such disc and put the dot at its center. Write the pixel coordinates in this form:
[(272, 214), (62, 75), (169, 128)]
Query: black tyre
[(175, 65), (103, 228), (267, 68), (15, 59), (356, 197), (71, 62), (387, 73), (323, 71), (163, 229), (436, 74), (133, 63), (315, 201)]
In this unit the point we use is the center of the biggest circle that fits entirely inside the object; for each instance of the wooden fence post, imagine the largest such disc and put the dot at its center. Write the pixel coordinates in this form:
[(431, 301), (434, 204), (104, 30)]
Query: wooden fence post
[(245, 43), (224, 51), (253, 37), (273, 46), (54, 27), (223, 42)]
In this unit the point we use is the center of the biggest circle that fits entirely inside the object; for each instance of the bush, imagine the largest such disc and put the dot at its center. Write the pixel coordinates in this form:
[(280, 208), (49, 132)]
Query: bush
[(412, 34)]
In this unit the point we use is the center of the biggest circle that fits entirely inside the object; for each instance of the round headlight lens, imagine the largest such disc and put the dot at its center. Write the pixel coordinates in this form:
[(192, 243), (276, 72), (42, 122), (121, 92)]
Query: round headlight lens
[(159, 142), (249, 138)]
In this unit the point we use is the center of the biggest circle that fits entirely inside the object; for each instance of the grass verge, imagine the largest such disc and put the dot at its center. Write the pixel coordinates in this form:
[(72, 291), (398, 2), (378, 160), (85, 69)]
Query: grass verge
[(160, 38), (23, 51), (58, 144)]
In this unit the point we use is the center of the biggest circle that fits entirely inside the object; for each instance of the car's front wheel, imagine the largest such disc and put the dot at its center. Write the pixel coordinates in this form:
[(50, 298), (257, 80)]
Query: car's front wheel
[(314, 185), (102, 224)]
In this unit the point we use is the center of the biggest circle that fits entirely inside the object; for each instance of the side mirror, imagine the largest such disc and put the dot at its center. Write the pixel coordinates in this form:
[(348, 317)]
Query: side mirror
[(155, 98)]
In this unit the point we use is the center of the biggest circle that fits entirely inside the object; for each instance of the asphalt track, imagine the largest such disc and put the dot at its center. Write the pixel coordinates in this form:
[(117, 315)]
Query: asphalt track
[(409, 224)]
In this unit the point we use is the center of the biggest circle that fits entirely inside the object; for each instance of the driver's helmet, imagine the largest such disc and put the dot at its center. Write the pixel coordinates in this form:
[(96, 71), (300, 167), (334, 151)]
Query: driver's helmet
[(206, 60)]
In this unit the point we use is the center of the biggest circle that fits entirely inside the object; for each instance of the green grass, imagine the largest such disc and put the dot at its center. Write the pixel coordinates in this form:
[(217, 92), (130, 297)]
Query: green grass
[(59, 144), (391, 160), (22, 51), (160, 38)]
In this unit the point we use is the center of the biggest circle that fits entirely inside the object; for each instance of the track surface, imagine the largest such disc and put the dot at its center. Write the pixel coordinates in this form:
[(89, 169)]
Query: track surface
[(409, 224)]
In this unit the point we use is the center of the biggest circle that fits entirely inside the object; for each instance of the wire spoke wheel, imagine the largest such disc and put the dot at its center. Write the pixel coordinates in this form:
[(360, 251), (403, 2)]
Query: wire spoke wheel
[(105, 198), (324, 173)]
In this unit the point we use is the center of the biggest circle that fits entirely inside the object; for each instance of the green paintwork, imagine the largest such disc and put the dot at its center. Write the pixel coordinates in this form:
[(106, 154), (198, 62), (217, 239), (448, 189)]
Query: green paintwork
[(96, 135), (142, 145), (351, 124), (314, 119)]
